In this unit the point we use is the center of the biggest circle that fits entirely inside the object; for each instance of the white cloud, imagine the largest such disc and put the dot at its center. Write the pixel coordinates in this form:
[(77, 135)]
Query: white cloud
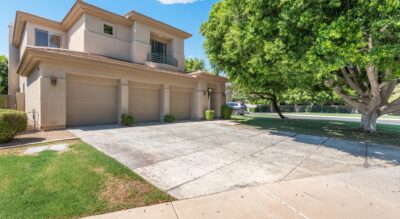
[(170, 2)]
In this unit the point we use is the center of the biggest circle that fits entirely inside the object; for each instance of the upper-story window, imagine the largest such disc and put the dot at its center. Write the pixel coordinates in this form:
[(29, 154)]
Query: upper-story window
[(47, 39), (108, 29)]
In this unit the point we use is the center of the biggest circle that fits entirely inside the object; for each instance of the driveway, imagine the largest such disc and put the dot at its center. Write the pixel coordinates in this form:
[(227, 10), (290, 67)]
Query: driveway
[(192, 159)]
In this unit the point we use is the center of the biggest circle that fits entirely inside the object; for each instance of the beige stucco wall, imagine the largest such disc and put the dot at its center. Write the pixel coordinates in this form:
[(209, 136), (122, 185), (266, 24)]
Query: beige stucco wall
[(141, 35), (13, 60), (96, 42), (50, 100), (33, 96), (29, 36), (76, 35)]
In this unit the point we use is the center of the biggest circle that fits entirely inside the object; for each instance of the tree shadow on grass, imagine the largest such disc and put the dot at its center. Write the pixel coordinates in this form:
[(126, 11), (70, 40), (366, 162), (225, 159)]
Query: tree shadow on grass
[(343, 136)]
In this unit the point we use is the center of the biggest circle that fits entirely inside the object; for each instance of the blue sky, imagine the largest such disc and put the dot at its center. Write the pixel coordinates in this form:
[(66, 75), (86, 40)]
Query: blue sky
[(187, 15)]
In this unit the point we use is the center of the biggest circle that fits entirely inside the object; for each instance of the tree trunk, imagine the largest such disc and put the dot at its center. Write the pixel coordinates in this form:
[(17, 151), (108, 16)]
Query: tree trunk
[(276, 107), (368, 122)]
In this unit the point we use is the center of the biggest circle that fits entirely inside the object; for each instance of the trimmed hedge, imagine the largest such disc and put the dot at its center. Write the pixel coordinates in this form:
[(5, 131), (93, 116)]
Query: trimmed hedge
[(127, 120), (209, 115), (11, 122), (226, 112), (169, 118)]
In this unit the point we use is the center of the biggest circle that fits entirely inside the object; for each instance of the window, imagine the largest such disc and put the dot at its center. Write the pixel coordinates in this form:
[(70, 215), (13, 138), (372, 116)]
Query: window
[(108, 29), (46, 39), (158, 51)]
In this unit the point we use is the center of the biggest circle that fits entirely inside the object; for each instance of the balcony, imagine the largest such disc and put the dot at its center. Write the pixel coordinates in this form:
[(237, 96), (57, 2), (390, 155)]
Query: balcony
[(162, 58)]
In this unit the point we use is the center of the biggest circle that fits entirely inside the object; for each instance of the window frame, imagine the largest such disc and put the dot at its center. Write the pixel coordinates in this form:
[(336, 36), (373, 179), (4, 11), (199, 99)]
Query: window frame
[(49, 34), (108, 24)]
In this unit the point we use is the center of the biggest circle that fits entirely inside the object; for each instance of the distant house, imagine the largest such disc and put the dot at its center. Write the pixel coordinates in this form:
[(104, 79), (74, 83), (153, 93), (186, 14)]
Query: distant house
[(95, 65)]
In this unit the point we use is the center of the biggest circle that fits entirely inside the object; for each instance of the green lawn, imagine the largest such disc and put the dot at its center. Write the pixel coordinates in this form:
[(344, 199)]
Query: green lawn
[(78, 182), (387, 134), (328, 114)]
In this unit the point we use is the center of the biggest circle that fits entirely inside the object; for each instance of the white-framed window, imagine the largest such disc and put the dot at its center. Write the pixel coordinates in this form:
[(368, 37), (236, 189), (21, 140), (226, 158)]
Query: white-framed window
[(108, 29), (47, 39)]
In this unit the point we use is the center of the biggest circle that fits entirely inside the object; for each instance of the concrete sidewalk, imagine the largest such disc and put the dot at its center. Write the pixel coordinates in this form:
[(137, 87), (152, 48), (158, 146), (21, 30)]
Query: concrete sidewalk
[(371, 193)]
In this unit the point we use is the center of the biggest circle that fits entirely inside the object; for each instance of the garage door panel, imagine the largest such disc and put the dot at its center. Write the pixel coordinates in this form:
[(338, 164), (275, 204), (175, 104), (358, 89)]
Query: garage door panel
[(91, 101), (144, 104), (180, 102)]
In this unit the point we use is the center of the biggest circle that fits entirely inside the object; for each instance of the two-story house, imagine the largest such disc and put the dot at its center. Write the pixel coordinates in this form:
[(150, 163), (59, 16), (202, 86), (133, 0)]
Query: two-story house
[(95, 65)]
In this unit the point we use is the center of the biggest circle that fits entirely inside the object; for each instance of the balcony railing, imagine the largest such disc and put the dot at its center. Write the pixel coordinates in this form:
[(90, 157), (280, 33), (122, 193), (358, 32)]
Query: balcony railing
[(162, 58)]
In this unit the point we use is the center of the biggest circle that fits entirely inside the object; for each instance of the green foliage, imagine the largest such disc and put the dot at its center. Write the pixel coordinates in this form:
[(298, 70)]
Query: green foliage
[(209, 115), (127, 119), (226, 112), (194, 64), (276, 48), (68, 184), (241, 39), (3, 74), (11, 122), (169, 118)]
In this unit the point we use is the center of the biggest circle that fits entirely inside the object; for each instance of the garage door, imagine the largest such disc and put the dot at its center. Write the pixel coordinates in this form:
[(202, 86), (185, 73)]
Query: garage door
[(91, 101), (144, 102), (180, 101)]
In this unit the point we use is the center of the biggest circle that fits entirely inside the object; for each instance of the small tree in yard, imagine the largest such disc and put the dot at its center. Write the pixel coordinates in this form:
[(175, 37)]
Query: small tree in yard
[(3, 74), (194, 64), (354, 44)]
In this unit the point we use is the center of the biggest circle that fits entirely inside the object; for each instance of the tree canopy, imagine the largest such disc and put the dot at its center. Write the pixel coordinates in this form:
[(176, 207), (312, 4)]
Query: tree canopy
[(3, 74), (241, 39), (353, 46), (194, 64)]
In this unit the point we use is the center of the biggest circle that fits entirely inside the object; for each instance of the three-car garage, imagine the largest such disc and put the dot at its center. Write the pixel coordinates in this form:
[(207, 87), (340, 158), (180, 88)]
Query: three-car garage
[(94, 101)]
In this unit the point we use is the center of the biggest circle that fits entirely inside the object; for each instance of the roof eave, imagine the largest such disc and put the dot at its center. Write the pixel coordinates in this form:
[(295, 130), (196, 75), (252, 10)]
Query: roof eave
[(133, 15)]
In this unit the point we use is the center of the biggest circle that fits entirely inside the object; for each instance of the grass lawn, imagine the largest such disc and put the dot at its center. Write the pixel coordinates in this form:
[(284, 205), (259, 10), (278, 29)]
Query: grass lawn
[(329, 114), (386, 134), (78, 182)]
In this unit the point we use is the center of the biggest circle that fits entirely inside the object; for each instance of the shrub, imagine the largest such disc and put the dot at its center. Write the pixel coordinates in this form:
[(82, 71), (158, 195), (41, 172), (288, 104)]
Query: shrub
[(169, 118), (11, 122), (226, 112), (209, 114), (127, 119)]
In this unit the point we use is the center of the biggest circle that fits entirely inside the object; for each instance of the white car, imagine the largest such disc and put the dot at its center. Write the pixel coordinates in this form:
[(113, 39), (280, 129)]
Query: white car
[(238, 108)]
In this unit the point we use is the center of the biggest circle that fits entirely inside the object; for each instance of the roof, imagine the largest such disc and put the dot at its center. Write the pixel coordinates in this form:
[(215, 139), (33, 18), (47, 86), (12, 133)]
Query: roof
[(33, 55), (80, 8), (205, 74)]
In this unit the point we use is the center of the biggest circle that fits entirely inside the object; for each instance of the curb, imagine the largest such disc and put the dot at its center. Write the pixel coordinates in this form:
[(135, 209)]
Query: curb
[(42, 142)]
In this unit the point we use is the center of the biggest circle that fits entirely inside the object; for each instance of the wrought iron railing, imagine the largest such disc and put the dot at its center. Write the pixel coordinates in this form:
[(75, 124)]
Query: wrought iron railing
[(162, 58)]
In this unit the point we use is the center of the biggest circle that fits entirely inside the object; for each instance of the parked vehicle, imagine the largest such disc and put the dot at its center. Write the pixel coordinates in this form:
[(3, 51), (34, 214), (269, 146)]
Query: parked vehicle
[(238, 108)]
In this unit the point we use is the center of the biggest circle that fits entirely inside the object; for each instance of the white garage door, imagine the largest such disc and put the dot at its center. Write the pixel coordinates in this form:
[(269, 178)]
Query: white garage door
[(91, 101), (144, 102), (180, 101)]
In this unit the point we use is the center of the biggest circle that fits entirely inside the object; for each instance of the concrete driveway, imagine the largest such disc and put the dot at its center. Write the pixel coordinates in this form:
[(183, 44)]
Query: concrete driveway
[(192, 159)]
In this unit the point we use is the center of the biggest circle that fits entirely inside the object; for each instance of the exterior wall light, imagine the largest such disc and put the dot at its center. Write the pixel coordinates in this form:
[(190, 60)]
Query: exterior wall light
[(209, 91), (53, 81)]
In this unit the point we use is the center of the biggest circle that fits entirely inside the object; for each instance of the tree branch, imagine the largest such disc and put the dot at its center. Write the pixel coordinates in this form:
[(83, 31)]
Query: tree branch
[(392, 107), (387, 90), (352, 101), (351, 81)]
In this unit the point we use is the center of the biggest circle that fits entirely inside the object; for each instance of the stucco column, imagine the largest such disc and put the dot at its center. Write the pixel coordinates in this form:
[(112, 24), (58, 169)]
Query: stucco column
[(200, 101), (52, 112), (219, 99), (123, 98), (165, 107)]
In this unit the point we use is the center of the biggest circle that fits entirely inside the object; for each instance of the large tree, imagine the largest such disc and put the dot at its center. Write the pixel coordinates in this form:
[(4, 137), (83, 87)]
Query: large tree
[(3, 74), (354, 44), (194, 64), (242, 40)]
